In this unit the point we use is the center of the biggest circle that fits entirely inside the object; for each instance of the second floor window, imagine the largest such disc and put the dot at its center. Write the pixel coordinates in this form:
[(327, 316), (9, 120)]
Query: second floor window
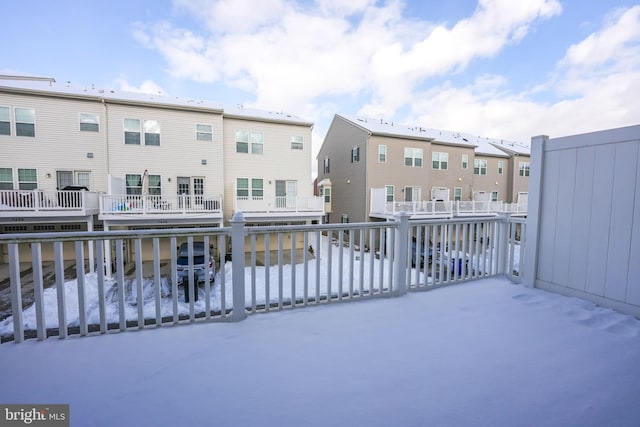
[(440, 160), (389, 190), (89, 122), (465, 161), (355, 154), (204, 132), (151, 132), (326, 165), (327, 194), (132, 131), (297, 142), (479, 167), (133, 183), (413, 157), (245, 138), (457, 194), (382, 153), (500, 167), (27, 179), (25, 121), (5, 121), (524, 169), (6, 179)]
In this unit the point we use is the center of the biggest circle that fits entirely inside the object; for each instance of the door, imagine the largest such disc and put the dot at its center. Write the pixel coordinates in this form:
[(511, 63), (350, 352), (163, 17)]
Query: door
[(64, 178), (286, 193), (184, 191), (292, 193), (198, 190)]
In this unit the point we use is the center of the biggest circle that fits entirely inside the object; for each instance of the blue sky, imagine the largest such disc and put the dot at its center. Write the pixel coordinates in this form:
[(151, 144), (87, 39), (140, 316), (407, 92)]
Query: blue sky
[(495, 68)]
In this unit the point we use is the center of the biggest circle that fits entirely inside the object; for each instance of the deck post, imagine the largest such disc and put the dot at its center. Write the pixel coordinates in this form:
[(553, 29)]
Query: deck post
[(237, 257)]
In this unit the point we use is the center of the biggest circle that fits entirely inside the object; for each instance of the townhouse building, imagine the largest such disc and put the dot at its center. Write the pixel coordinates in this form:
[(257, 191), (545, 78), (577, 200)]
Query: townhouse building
[(370, 169), (82, 158)]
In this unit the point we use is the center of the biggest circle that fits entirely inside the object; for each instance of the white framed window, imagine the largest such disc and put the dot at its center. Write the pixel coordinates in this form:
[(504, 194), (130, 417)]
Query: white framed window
[(465, 161), (5, 121), (479, 167), (382, 153), (355, 154), (257, 189), (413, 157), (524, 168), (257, 142), (494, 196), (6, 179), (390, 189), (457, 194), (242, 188), (500, 167), (440, 160), (204, 132), (326, 165), (25, 121), (152, 132), (327, 194), (297, 142), (155, 185), (27, 179), (133, 183), (242, 141), (89, 122), (132, 131)]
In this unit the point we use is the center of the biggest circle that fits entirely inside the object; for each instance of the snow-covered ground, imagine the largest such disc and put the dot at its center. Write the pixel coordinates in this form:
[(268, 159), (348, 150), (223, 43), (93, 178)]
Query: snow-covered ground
[(483, 353)]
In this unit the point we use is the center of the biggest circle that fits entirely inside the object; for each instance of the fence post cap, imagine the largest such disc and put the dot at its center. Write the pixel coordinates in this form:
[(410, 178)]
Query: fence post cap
[(237, 217)]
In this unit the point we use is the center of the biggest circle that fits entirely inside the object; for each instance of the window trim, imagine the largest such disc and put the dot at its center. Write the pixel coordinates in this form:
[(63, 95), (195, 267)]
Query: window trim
[(382, 153), (457, 197), (10, 182), (355, 154), (28, 183), (393, 193), (326, 165), (411, 155), (202, 135), (465, 161), (131, 132), (19, 130), (95, 122), (480, 166), (442, 160), (297, 144), (500, 167), (524, 169), (148, 134), (8, 108)]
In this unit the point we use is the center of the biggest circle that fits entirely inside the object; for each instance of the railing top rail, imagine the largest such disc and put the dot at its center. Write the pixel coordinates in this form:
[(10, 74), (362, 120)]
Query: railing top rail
[(320, 227), (109, 235)]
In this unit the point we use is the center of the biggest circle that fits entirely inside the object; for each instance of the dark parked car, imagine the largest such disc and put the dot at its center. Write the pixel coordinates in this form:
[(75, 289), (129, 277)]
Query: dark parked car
[(200, 260), (417, 254)]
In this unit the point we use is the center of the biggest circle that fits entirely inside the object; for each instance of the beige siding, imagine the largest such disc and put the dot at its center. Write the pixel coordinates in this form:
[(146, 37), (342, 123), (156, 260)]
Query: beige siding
[(179, 153), (493, 181), (277, 162), (58, 143), (454, 175)]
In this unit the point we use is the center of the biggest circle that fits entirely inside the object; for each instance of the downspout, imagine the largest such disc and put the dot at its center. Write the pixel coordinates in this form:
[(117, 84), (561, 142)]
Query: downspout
[(106, 135)]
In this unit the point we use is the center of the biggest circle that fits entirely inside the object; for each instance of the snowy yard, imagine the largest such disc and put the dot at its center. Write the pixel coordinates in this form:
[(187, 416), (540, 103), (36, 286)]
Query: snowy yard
[(483, 353)]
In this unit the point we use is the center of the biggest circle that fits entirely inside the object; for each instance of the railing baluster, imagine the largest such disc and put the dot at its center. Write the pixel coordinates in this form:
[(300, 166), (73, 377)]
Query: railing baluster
[(82, 298), (222, 245), (340, 263), (58, 251), (305, 262), (156, 280), (174, 278), (293, 268), (36, 262), (100, 273), (361, 282), (351, 262), (253, 272), (280, 282), (267, 271), (139, 283), (121, 289), (318, 259), (383, 258)]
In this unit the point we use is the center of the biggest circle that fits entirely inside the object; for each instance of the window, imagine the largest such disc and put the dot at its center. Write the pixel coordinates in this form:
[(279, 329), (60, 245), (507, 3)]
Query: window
[(326, 165), (25, 122), (457, 194), (327, 194), (155, 185), (132, 131), (6, 179), (257, 142), (297, 142), (382, 153), (494, 196), (479, 167), (242, 187), (242, 141), (5, 121), (89, 122), (355, 154), (27, 179), (204, 132), (465, 161), (151, 132), (440, 160), (133, 183), (500, 167), (524, 168), (413, 157), (257, 190), (390, 190)]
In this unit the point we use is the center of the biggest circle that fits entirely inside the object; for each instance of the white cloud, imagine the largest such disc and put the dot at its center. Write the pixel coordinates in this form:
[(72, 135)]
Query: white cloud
[(146, 86)]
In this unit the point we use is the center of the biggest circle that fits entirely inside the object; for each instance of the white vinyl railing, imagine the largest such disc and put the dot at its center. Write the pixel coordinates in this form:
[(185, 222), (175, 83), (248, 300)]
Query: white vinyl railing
[(279, 204), (256, 269), (139, 204), (426, 208), (47, 200)]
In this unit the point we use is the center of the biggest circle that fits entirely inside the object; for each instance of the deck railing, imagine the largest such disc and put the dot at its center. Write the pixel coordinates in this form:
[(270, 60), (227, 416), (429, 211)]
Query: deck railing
[(151, 204), (279, 204), (12, 201), (256, 269)]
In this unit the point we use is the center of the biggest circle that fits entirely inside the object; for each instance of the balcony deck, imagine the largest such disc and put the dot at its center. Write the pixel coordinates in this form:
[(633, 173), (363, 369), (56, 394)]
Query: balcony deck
[(286, 208), (25, 205)]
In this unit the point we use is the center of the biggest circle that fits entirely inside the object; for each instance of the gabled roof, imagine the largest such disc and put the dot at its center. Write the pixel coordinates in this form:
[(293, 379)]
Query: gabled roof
[(511, 147), (382, 127), (241, 112)]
